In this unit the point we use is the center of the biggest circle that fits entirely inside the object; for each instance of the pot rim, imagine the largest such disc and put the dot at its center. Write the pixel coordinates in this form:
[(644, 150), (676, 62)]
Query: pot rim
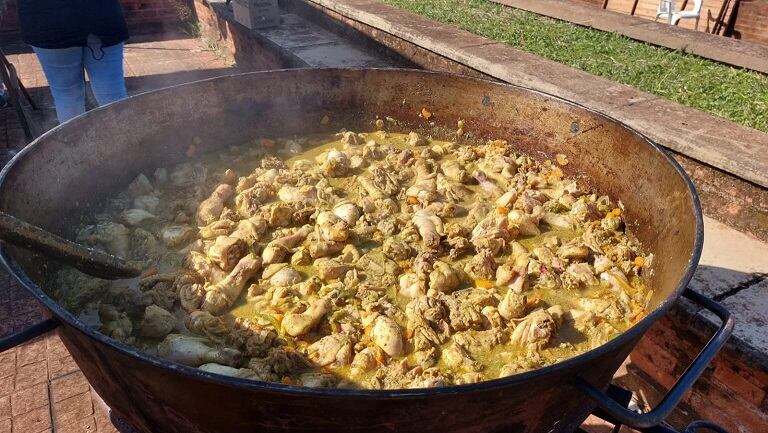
[(636, 331)]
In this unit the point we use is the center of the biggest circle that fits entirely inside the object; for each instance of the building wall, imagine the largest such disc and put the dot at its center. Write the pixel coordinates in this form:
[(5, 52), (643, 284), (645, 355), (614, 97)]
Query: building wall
[(138, 13), (752, 21)]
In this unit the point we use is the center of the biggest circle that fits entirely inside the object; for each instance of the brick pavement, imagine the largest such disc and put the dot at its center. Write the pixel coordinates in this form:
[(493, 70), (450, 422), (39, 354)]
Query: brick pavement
[(41, 387)]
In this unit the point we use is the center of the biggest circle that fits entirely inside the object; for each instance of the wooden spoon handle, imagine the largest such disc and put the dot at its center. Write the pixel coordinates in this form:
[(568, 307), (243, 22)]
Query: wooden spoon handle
[(88, 260)]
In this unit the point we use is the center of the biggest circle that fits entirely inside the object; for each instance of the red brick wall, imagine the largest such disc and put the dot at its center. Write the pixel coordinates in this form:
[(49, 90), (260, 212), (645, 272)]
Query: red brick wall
[(138, 13), (731, 392), (752, 21)]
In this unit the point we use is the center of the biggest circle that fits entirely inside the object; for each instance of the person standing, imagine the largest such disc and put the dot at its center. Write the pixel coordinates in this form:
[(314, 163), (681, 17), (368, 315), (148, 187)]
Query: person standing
[(73, 36)]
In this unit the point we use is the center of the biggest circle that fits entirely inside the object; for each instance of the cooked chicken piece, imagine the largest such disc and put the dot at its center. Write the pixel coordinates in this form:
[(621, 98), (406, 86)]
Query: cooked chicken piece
[(370, 188), (456, 357), (250, 230), (186, 174), (602, 264), (530, 201), (157, 322), (318, 380), (146, 202), (210, 208), (455, 171), (396, 249), (278, 249), (487, 185), (560, 221), (334, 349), (375, 264), (463, 314), (223, 294), (227, 251), (178, 236), (207, 325), (423, 190), (250, 201), (507, 199), (349, 254), (578, 275), (513, 275), (573, 251), (112, 237), (491, 233), (452, 192), (284, 276), (332, 228), (336, 164), (513, 305), (412, 285), (243, 373), (430, 227), (387, 335), (331, 269), (190, 291), (415, 139), (620, 287), (278, 214), (318, 249), (299, 324), (493, 316), (115, 324), (349, 138), (306, 194), (196, 351), (607, 309), (444, 278), (216, 229), (199, 263), (366, 360), (548, 258), (537, 328), (348, 212), (479, 342), (482, 266), (526, 224)]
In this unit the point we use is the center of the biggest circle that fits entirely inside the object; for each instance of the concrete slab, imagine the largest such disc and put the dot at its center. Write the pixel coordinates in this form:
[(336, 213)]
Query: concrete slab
[(305, 42), (295, 32), (730, 147), (339, 55), (729, 259), (749, 308), (721, 49)]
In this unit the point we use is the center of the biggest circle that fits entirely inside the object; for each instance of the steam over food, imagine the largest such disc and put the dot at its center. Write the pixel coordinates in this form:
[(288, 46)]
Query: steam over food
[(373, 260)]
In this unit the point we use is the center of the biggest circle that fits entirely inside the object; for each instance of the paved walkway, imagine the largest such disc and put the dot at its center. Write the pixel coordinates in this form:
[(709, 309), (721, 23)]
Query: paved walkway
[(41, 388), (721, 49)]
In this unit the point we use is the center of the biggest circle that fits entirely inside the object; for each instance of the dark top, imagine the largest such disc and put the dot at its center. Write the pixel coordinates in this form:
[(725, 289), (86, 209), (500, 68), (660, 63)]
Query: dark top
[(67, 23)]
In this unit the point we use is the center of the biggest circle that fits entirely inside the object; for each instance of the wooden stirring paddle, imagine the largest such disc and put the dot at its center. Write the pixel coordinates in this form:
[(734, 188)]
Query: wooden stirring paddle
[(88, 260)]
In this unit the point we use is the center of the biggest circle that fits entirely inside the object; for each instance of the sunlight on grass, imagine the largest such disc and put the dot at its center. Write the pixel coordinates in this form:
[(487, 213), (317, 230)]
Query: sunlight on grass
[(735, 94)]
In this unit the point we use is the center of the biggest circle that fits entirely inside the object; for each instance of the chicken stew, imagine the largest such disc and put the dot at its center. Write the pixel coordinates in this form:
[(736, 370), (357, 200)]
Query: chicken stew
[(377, 260)]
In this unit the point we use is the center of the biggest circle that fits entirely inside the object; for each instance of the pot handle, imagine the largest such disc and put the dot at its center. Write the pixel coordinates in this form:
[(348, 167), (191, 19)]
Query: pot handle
[(33, 331), (673, 397)]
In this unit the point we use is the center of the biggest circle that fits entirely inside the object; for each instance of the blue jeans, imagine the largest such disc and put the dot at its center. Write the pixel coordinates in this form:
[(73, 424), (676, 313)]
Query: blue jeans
[(64, 68)]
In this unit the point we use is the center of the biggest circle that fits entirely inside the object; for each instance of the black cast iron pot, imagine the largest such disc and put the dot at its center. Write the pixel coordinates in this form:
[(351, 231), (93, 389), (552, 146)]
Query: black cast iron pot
[(58, 179)]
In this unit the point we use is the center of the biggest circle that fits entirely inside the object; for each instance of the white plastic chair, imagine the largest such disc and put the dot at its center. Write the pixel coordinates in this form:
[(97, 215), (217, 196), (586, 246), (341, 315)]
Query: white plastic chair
[(665, 8)]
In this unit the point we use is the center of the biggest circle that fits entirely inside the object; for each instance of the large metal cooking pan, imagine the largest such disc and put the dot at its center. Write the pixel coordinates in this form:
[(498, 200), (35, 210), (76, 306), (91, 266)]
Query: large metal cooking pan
[(54, 182)]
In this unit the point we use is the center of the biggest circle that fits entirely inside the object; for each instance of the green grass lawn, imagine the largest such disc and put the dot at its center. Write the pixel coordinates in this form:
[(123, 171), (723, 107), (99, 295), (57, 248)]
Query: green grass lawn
[(735, 94)]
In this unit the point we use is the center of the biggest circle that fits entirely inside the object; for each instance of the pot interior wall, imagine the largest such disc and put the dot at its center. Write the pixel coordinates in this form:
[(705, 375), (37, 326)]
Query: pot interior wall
[(71, 169)]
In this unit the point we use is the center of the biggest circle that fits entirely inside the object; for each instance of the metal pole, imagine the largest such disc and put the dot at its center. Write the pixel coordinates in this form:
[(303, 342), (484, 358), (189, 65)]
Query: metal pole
[(671, 11)]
